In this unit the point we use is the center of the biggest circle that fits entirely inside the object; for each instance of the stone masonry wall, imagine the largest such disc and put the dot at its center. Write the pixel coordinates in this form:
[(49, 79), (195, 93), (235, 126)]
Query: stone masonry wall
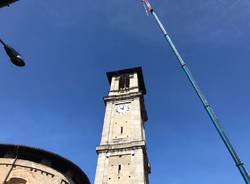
[(31, 172)]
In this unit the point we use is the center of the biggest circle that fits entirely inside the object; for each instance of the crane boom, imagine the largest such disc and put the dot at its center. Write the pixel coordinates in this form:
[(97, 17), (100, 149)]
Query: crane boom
[(198, 91)]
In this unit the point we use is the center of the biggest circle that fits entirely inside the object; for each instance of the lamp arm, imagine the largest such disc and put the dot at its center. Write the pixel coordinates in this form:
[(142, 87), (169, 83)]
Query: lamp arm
[(1, 41)]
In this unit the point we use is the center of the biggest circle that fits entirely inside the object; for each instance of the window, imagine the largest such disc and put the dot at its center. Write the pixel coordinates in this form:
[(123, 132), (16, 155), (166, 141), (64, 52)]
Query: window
[(124, 81), (64, 182), (119, 168), (121, 130), (17, 181)]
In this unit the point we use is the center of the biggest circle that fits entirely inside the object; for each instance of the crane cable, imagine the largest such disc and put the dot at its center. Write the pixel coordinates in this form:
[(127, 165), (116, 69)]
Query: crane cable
[(212, 115), (12, 165)]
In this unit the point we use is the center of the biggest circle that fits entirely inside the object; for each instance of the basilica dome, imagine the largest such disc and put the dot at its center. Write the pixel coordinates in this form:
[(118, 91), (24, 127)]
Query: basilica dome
[(27, 165)]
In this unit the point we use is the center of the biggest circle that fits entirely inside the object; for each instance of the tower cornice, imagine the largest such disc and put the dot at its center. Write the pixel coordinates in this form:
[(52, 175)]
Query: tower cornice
[(122, 96), (122, 146)]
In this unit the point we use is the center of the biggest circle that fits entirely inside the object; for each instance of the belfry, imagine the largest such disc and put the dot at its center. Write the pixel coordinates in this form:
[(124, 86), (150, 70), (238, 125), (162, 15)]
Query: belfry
[(122, 154)]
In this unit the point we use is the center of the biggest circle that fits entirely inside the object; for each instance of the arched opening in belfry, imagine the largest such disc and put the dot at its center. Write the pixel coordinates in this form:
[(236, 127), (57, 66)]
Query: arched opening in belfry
[(16, 181), (124, 81)]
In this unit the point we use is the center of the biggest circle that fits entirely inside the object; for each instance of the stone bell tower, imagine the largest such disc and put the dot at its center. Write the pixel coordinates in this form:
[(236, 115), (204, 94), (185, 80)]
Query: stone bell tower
[(122, 154)]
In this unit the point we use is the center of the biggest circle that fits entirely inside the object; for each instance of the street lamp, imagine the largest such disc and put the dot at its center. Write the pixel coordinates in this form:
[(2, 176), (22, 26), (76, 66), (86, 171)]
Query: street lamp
[(14, 56)]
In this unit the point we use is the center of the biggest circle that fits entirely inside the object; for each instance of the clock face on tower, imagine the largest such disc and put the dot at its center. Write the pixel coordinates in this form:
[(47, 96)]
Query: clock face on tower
[(122, 108)]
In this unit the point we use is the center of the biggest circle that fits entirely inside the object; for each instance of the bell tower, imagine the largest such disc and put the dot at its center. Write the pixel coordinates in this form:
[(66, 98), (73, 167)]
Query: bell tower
[(122, 154)]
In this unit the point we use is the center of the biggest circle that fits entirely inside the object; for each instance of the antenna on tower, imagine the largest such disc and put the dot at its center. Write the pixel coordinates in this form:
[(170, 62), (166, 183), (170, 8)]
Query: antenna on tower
[(212, 115)]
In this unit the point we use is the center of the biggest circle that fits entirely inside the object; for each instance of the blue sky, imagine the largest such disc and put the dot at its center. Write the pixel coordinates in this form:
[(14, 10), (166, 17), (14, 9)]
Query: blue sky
[(55, 102)]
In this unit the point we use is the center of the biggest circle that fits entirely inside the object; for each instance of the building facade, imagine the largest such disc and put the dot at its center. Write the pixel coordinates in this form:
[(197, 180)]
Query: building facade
[(122, 154), (27, 165)]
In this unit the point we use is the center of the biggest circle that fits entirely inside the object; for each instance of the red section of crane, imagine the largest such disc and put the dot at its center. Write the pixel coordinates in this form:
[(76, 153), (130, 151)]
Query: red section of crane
[(148, 6)]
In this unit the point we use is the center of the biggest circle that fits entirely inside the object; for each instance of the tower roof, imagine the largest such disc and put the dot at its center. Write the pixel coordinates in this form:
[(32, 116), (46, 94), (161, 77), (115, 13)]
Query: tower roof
[(36, 155), (137, 70)]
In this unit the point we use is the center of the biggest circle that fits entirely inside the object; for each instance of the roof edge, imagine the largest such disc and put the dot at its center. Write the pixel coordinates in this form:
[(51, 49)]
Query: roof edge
[(36, 155)]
